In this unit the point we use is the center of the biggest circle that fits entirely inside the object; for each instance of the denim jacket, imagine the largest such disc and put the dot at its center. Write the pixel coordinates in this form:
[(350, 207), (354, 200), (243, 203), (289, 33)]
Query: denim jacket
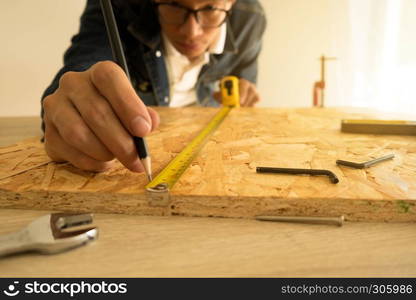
[(140, 32)]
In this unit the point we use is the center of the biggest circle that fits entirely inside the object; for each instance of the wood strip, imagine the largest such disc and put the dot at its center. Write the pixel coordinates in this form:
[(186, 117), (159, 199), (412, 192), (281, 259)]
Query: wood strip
[(23, 156), (18, 172), (50, 170)]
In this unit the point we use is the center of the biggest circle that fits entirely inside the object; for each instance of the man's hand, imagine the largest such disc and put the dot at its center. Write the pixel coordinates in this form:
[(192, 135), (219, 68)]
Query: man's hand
[(91, 117), (248, 94)]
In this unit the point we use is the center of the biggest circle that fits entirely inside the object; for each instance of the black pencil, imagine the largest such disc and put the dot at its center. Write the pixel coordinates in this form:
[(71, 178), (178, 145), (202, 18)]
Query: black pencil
[(118, 55)]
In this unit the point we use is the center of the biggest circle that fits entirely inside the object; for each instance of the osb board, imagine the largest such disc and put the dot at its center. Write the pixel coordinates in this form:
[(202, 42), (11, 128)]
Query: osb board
[(222, 181)]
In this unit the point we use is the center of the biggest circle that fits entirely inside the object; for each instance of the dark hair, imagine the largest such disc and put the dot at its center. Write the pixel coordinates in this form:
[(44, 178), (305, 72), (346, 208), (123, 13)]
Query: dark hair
[(140, 12)]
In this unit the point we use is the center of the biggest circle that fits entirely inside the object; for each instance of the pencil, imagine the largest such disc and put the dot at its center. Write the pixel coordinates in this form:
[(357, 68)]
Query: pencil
[(118, 55)]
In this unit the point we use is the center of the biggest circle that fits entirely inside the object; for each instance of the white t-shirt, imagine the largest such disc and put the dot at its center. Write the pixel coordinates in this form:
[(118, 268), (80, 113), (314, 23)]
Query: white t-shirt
[(183, 74)]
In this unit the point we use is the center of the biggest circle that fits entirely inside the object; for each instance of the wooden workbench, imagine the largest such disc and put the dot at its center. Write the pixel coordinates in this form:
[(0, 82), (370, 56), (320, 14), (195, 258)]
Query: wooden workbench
[(222, 181), (131, 245)]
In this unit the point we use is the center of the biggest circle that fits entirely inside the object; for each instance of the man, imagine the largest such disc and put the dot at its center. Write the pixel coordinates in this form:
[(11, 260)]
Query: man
[(176, 52)]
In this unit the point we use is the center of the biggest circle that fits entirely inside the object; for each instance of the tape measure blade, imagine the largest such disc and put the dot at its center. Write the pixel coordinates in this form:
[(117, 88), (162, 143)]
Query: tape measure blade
[(177, 166)]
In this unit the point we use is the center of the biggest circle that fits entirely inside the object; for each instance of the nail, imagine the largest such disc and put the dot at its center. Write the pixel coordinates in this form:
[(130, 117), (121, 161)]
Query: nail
[(140, 127), (338, 221)]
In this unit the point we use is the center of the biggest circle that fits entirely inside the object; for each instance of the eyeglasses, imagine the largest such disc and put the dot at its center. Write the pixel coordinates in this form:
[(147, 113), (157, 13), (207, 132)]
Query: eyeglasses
[(176, 14)]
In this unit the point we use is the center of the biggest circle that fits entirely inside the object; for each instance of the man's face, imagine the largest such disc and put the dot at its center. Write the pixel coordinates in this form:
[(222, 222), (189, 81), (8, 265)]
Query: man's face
[(190, 38)]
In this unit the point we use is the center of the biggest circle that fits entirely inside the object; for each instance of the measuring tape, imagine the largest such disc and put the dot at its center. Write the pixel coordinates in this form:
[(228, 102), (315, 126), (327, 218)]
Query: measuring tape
[(158, 188)]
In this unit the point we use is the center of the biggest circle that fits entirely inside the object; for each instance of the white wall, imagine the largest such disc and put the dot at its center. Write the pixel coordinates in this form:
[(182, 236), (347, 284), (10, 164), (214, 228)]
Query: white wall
[(298, 33), (34, 37), (374, 43)]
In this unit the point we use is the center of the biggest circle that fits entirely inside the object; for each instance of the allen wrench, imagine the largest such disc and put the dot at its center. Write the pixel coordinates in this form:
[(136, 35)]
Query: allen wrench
[(338, 221), (364, 164), (332, 177)]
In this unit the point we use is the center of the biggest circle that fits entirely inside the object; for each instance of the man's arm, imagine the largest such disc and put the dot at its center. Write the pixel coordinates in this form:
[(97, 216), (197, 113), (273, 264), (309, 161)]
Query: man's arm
[(247, 72), (249, 35), (88, 47), (91, 110)]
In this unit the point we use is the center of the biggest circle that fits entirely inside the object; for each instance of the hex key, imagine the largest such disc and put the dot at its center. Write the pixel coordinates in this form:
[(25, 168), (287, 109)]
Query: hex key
[(364, 164), (332, 177), (300, 219)]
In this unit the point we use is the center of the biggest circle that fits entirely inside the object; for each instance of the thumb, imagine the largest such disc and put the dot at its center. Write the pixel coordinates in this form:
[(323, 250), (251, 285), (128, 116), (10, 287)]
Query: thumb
[(217, 96)]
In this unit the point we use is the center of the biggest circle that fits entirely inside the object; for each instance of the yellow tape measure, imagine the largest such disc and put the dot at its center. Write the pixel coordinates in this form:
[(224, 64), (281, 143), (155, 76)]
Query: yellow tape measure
[(230, 92), (165, 180)]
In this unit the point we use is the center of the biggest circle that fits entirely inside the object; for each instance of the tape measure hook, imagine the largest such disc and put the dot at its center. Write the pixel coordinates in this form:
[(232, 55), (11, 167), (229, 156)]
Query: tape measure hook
[(159, 194)]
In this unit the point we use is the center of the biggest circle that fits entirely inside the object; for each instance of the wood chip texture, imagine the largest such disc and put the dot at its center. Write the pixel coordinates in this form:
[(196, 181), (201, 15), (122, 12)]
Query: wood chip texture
[(222, 180)]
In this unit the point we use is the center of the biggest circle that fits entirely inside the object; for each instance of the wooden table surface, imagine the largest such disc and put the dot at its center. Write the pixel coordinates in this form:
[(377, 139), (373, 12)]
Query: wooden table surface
[(222, 180), (139, 246)]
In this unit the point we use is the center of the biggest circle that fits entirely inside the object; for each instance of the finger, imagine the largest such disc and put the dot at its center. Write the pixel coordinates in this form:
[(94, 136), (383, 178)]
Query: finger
[(155, 118), (72, 128), (249, 95), (59, 150), (254, 101), (253, 97), (243, 90), (217, 97), (101, 119), (111, 81)]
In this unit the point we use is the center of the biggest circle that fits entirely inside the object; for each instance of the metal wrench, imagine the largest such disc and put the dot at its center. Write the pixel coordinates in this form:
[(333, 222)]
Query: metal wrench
[(46, 234)]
